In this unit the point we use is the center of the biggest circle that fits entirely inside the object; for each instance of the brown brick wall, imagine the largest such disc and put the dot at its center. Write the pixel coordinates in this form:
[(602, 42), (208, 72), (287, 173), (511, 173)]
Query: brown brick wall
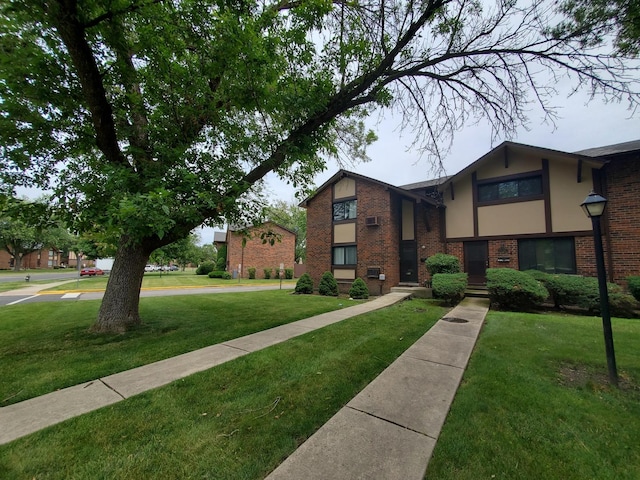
[(377, 246), (623, 214), (319, 224), (259, 255)]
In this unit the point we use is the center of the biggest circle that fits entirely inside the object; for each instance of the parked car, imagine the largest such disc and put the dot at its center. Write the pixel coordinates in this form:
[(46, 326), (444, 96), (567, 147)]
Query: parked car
[(91, 271), (174, 268)]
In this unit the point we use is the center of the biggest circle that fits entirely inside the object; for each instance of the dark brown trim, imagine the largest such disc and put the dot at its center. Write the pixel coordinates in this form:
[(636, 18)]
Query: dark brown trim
[(579, 178), (503, 201), (474, 193), (546, 191), (508, 178), (443, 225), (453, 197), (580, 233), (506, 157)]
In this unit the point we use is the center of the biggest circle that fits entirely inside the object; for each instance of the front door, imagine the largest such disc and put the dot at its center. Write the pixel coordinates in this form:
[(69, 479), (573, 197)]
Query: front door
[(476, 259), (408, 262)]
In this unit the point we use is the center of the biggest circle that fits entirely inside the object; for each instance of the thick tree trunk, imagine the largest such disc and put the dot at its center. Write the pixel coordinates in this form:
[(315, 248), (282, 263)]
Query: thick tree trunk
[(120, 305), (17, 262)]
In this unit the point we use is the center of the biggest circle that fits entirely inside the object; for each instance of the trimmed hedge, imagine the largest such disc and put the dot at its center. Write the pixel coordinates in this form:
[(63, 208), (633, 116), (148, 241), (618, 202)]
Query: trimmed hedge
[(288, 273), (252, 273), (449, 286), (205, 268), (220, 274), (328, 285), (584, 292), (267, 273), (304, 284), (634, 287), (514, 290), (359, 289), (442, 263)]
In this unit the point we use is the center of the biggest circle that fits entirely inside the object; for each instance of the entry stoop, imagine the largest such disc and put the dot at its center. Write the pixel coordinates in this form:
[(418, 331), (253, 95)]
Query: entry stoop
[(417, 292), (476, 291)]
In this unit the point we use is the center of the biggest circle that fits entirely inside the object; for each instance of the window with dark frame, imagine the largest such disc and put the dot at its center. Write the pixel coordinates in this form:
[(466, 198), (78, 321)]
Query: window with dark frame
[(345, 210), (504, 190), (345, 255), (551, 255)]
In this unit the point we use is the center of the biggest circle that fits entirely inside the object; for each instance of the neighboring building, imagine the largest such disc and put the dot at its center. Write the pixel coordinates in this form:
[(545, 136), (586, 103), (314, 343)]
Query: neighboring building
[(518, 206), (258, 252), (44, 258)]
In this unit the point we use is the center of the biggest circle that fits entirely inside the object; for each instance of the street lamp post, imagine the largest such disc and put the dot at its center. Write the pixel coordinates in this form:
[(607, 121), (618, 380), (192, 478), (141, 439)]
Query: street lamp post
[(593, 207)]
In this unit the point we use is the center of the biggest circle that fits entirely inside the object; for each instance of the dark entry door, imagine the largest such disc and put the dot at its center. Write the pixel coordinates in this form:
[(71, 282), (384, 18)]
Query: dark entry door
[(476, 259), (408, 262)]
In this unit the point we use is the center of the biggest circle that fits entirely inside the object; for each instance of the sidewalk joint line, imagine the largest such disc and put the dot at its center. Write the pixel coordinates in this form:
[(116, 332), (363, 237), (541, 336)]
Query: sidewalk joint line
[(386, 420)]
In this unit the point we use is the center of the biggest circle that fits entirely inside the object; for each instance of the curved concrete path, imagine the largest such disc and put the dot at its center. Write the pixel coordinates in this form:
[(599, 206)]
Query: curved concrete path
[(387, 431)]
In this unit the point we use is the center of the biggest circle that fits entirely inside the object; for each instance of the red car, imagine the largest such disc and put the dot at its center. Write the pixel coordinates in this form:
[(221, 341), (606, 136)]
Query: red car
[(91, 271)]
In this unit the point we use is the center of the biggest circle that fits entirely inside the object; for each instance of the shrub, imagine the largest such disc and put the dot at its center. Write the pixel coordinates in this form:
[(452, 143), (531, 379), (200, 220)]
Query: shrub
[(567, 290), (288, 273), (623, 305), (328, 285), (443, 263), (634, 287), (514, 290), (221, 259), (252, 272), (205, 268), (449, 286), (267, 273), (220, 274), (537, 274), (304, 284), (359, 289)]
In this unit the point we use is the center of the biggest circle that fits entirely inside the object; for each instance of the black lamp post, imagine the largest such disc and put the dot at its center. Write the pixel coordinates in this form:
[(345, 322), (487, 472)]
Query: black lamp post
[(593, 207)]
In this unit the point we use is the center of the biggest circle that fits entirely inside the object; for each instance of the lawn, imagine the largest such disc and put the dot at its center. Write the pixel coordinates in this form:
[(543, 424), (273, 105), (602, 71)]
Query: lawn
[(535, 403), (169, 280), (46, 346), (235, 421)]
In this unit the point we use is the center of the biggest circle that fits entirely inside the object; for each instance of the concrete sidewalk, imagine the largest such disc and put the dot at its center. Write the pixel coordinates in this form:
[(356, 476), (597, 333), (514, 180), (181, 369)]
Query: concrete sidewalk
[(389, 429), (34, 414)]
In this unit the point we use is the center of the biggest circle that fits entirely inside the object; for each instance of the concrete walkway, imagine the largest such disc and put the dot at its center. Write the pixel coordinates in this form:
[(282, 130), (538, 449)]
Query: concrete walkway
[(387, 431), (390, 428), (31, 415)]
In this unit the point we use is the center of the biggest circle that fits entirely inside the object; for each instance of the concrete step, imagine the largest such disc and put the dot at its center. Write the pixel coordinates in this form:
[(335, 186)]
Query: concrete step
[(476, 292), (417, 292)]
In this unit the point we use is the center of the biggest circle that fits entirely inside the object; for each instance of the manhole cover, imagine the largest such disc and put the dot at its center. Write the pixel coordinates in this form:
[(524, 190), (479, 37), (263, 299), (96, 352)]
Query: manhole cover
[(455, 320)]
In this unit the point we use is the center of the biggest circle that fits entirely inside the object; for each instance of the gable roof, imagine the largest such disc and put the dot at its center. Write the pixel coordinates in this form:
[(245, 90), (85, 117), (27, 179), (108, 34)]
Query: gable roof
[(356, 176), (609, 150), (238, 228)]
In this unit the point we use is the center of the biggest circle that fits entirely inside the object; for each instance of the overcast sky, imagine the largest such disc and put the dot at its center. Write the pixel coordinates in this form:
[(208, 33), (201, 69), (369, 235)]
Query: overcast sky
[(580, 125)]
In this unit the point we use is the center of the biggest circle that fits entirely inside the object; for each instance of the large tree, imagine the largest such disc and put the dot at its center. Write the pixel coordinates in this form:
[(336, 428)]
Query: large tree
[(150, 117)]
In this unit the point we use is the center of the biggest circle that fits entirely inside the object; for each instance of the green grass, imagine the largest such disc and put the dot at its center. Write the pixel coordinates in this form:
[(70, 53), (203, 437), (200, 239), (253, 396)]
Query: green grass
[(47, 346), (535, 403), (236, 421), (171, 279), (7, 286)]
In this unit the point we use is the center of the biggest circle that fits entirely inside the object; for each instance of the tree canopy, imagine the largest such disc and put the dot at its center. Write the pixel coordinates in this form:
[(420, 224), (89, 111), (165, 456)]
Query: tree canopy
[(147, 118)]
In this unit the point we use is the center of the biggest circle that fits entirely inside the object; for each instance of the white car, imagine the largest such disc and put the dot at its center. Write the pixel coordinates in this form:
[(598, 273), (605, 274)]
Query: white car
[(150, 268)]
